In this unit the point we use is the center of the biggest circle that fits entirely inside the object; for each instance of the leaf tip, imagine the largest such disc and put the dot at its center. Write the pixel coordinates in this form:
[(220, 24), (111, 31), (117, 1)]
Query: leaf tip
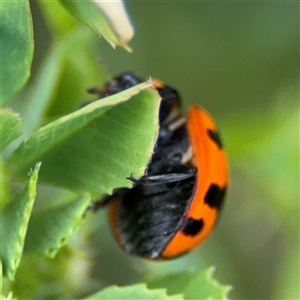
[(35, 170), (117, 16)]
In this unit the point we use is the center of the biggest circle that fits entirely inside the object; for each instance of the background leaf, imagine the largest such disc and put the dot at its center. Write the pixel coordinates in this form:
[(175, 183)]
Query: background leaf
[(193, 285), (14, 222), (8, 297), (10, 127), (4, 185), (50, 229), (58, 20), (97, 147), (16, 47), (61, 83), (56, 272)]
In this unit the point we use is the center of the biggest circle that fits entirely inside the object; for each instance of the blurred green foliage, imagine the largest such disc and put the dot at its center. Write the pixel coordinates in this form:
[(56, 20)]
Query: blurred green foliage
[(240, 60)]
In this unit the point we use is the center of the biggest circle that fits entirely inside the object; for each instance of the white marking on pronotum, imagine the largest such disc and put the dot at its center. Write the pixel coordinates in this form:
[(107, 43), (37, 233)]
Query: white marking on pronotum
[(177, 124), (187, 156)]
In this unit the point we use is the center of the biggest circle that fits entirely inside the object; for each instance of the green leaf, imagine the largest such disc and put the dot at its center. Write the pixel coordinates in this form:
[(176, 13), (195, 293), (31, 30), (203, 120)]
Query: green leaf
[(41, 92), (4, 185), (137, 291), (15, 217), (106, 18), (58, 20), (8, 297), (51, 228), (193, 285), (10, 127), (62, 80), (97, 147), (75, 75), (16, 47), (61, 277)]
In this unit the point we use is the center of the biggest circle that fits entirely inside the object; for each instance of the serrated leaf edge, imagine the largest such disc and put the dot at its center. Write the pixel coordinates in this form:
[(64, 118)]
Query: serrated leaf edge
[(209, 276), (79, 218), (108, 102), (143, 286), (31, 186)]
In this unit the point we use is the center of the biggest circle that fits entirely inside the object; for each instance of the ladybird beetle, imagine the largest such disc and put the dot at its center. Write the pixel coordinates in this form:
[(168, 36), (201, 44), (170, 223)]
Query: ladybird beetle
[(174, 206)]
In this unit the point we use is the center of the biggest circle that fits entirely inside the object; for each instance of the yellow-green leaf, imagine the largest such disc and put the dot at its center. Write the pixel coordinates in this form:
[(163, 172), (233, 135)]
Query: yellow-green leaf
[(97, 147), (16, 47), (14, 223), (137, 291)]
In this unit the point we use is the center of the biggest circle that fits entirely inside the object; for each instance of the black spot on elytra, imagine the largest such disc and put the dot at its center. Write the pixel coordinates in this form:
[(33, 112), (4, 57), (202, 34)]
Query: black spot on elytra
[(214, 196), (192, 226), (215, 137)]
